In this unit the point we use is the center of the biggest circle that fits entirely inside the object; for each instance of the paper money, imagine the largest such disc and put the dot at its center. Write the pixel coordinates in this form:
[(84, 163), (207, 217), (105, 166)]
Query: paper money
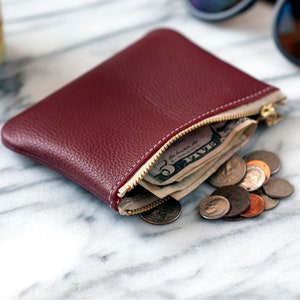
[(195, 149), (193, 158)]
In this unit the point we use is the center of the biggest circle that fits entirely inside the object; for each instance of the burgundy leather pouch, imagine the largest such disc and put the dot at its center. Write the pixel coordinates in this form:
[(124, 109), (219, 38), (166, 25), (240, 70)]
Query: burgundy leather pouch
[(107, 127)]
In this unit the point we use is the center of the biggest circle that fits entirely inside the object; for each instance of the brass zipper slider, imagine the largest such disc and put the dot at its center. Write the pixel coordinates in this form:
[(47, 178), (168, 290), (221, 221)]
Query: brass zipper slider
[(270, 115)]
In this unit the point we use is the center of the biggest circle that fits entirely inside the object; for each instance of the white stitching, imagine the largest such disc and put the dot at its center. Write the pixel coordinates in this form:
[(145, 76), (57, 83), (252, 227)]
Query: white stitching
[(183, 125)]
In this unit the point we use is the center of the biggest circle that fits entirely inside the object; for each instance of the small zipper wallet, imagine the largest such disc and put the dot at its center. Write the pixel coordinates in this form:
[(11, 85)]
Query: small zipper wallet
[(111, 129)]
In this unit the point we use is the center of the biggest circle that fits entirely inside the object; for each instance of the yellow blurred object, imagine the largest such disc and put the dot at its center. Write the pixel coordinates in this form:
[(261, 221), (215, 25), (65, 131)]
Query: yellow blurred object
[(1, 38)]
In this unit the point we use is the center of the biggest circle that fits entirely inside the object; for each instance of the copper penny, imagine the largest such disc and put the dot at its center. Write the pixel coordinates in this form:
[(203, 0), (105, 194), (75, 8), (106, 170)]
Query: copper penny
[(269, 202), (264, 166), (229, 173), (254, 179), (270, 158), (238, 197), (166, 213), (278, 187), (214, 207), (256, 207)]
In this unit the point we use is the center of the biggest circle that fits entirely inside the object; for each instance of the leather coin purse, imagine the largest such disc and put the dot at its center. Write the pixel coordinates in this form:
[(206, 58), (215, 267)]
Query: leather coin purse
[(107, 129)]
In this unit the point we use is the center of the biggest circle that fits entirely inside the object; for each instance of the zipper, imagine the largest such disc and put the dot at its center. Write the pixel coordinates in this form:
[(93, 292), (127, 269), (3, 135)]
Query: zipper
[(131, 212), (264, 108)]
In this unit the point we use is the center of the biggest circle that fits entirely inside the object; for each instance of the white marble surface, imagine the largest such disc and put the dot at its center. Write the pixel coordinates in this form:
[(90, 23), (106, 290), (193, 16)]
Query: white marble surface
[(57, 241)]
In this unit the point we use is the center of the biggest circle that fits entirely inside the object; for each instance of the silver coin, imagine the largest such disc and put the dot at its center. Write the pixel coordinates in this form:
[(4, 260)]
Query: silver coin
[(214, 207), (278, 187), (270, 158), (230, 173), (269, 202), (254, 178), (165, 213)]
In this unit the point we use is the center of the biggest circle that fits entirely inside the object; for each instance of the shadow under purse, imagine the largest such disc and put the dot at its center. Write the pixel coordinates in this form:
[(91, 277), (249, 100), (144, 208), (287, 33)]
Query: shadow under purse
[(150, 123)]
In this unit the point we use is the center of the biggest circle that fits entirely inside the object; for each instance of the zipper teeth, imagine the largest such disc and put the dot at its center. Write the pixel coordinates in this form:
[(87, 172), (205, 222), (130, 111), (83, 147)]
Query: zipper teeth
[(147, 207), (182, 133)]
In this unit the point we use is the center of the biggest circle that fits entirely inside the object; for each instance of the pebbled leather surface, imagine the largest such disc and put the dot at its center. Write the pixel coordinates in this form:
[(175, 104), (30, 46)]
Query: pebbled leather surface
[(99, 129)]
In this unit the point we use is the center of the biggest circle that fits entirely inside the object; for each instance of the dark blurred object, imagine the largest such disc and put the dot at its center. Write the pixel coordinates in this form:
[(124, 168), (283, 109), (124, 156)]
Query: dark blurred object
[(286, 28), (217, 10)]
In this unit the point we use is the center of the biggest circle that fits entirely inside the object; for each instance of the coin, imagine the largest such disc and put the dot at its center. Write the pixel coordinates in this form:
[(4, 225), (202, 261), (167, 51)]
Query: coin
[(264, 166), (214, 207), (256, 207), (238, 197), (269, 202), (229, 173), (268, 157), (166, 213), (278, 188), (255, 177), (236, 218)]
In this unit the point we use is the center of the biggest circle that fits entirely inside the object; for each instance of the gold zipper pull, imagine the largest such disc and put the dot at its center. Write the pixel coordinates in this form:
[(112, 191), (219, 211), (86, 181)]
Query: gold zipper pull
[(270, 115)]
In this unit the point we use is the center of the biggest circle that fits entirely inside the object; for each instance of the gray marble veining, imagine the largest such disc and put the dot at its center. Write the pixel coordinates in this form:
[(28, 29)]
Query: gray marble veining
[(57, 241)]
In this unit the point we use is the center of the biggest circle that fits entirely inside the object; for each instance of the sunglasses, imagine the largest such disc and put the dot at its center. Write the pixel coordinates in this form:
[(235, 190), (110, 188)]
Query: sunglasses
[(286, 25)]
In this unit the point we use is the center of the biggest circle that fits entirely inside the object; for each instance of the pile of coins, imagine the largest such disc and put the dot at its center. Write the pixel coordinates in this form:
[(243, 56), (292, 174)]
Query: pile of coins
[(246, 187)]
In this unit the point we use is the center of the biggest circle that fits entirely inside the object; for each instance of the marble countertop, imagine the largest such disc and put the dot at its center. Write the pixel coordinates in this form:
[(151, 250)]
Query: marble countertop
[(57, 241)]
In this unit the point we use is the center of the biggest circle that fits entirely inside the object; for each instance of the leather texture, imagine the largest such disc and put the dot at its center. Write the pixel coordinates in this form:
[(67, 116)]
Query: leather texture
[(99, 129)]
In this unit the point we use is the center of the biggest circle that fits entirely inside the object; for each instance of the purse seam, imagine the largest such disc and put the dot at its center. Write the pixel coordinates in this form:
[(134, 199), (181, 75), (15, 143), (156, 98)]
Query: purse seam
[(179, 127)]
